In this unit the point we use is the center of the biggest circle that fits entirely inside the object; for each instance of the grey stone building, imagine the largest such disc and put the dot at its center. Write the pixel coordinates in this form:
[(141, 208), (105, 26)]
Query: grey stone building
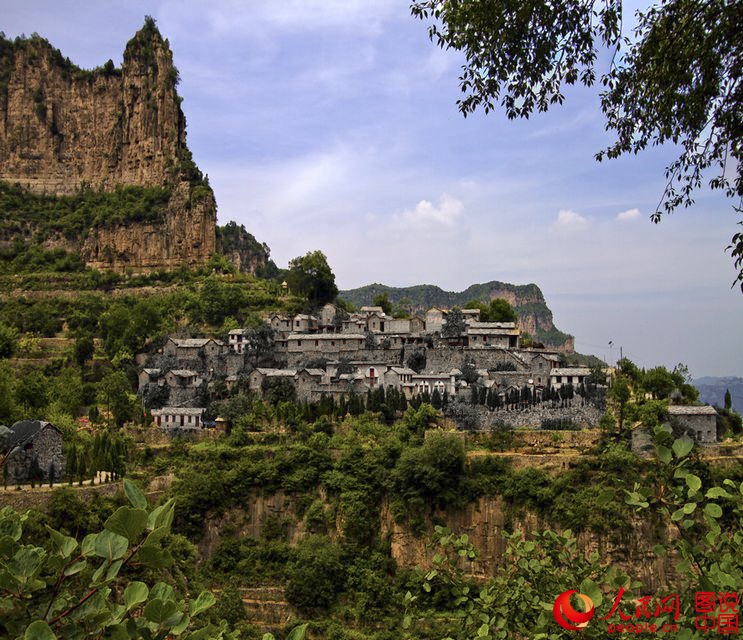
[(33, 448), (700, 421)]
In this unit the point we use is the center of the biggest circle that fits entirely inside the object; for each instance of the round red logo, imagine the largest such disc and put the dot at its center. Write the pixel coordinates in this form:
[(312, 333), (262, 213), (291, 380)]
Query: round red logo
[(568, 617)]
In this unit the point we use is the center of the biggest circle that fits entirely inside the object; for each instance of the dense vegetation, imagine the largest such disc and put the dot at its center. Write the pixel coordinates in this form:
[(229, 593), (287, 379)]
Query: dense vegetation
[(25, 213)]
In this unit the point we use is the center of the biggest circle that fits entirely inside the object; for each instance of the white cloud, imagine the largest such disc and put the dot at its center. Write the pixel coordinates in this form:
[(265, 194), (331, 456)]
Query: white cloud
[(630, 214), (427, 215), (569, 219)]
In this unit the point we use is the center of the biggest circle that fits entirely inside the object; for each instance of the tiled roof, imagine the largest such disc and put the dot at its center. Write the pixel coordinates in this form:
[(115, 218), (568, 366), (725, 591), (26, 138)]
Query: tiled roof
[(680, 410), (23, 431)]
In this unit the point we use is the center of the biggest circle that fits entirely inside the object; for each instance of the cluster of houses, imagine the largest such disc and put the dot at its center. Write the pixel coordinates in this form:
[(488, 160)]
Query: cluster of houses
[(337, 354), (334, 353)]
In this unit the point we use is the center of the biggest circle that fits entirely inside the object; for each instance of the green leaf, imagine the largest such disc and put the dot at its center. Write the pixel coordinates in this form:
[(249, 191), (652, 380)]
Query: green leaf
[(683, 446), (135, 593), (110, 545), (664, 454), (689, 508), (592, 590), (179, 628), (483, 631), (162, 612), (163, 591), (713, 510), (39, 630), (205, 600), (154, 557), (298, 633), (87, 548), (64, 544), (717, 492), (75, 568), (268, 636), (26, 563), (678, 514), (162, 516), (694, 483), (135, 495), (127, 522), (113, 570)]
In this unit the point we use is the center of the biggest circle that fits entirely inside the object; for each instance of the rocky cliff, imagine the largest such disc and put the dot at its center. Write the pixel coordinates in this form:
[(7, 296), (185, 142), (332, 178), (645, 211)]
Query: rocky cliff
[(64, 130)]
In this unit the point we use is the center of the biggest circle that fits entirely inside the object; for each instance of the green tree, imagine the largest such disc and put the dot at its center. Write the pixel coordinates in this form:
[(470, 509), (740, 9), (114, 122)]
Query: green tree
[(83, 349), (310, 276), (675, 79), (114, 391), (8, 340), (728, 400), (383, 300)]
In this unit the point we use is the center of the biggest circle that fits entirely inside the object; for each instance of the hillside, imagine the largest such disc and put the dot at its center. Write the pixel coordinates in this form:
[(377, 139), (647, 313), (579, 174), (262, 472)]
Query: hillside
[(527, 300), (95, 163)]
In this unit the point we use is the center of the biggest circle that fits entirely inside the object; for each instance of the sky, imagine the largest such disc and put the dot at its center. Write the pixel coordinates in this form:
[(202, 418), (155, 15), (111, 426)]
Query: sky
[(333, 125)]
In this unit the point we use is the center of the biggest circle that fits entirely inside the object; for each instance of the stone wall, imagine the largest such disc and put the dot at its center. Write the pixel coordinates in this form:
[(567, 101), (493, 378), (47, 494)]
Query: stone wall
[(46, 448)]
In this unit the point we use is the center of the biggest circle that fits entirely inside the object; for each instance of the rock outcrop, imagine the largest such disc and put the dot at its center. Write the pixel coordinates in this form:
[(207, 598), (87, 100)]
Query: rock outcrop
[(64, 129)]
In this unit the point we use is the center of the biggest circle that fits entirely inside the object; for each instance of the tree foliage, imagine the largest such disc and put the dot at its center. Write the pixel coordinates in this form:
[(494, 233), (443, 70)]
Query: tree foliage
[(76, 589), (310, 275), (675, 79), (499, 310)]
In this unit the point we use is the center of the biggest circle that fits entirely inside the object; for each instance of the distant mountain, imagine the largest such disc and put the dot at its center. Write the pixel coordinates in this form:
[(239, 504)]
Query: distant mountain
[(712, 391), (527, 300)]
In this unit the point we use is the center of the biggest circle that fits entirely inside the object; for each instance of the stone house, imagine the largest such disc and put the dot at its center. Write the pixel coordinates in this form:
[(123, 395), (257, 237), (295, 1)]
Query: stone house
[(33, 448), (700, 421), (485, 335), (417, 325), (326, 320), (398, 376), (355, 323), (282, 325), (257, 376), (376, 322), (471, 315), (150, 376), (172, 418), (237, 340), (184, 378), (543, 363), (325, 343), (193, 348), (568, 375), (303, 323), (435, 319)]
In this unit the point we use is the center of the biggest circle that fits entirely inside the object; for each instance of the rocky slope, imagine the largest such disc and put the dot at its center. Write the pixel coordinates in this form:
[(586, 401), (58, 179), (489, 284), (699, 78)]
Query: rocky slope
[(64, 129), (527, 300)]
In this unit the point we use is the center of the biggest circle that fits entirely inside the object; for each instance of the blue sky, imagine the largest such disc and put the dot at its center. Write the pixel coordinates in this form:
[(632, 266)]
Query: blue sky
[(332, 125)]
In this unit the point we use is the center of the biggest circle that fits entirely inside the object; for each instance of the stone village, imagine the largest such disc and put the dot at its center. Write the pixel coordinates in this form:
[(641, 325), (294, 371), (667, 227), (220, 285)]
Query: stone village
[(336, 354)]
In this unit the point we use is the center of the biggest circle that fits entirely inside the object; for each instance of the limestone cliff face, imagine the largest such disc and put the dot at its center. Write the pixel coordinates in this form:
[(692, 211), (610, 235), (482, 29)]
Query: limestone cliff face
[(63, 129)]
